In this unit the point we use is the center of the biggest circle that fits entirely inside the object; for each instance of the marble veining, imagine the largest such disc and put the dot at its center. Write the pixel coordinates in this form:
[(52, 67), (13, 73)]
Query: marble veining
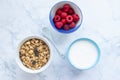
[(22, 18)]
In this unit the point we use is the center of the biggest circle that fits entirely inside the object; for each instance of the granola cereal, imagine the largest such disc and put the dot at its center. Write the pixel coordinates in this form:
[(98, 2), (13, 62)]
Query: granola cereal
[(34, 53)]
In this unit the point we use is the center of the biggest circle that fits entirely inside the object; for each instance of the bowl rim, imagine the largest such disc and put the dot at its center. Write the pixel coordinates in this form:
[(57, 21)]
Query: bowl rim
[(28, 70), (71, 30), (94, 44)]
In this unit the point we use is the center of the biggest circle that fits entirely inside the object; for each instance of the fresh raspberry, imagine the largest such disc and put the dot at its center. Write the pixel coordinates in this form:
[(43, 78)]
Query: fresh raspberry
[(69, 18), (65, 18), (57, 18), (63, 21), (63, 14), (58, 25), (75, 17), (71, 11), (72, 25), (59, 11), (66, 7), (66, 27)]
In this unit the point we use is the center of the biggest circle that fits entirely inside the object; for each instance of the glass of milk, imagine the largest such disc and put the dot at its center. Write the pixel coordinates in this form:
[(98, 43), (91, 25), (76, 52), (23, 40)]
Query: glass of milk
[(83, 54)]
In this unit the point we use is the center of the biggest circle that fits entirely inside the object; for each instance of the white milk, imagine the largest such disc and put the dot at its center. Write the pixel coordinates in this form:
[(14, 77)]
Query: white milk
[(83, 54)]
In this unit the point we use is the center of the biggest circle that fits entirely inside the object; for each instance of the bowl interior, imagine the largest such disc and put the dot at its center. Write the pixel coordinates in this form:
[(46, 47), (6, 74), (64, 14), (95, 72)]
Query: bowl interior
[(24, 68), (76, 9), (92, 43)]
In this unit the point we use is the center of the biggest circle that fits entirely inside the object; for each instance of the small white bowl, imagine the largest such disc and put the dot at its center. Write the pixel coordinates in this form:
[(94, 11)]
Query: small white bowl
[(76, 9), (24, 68)]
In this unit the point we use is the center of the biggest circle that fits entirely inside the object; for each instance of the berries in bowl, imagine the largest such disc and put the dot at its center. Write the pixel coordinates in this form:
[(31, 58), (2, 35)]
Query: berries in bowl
[(65, 17)]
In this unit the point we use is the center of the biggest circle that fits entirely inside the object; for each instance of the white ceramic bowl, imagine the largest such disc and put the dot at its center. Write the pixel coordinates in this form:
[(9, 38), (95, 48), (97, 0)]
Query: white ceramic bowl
[(76, 9), (24, 68)]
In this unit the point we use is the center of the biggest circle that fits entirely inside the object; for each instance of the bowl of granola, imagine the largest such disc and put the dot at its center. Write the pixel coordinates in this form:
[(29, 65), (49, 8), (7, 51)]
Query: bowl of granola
[(34, 54)]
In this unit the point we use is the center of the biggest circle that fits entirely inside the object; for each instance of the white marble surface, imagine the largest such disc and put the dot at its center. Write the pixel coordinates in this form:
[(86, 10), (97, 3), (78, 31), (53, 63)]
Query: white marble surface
[(22, 18)]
